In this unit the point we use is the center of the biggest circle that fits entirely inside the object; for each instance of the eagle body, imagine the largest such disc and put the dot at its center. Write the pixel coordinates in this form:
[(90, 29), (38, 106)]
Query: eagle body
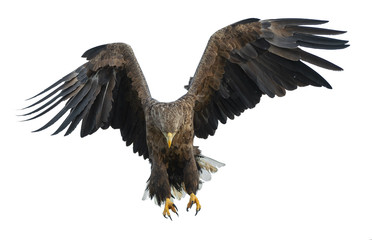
[(172, 166), (241, 63)]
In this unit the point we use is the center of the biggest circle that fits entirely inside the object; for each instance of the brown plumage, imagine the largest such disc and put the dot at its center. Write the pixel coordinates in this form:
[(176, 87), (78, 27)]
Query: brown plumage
[(242, 62)]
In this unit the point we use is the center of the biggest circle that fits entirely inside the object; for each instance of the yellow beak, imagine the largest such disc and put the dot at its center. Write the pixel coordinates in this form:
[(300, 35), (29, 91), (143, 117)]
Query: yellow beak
[(169, 139)]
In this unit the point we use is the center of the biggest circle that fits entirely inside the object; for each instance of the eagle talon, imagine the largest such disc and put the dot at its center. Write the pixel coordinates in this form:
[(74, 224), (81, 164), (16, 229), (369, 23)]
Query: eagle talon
[(193, 199), (197, 211), (169, 205)]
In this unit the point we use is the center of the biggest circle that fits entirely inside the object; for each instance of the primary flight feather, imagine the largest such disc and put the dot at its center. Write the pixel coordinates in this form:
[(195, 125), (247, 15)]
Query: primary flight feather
[(241, 62)]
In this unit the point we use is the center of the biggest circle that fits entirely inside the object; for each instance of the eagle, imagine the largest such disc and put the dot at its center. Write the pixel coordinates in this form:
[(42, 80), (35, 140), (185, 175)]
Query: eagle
[(241, 62)]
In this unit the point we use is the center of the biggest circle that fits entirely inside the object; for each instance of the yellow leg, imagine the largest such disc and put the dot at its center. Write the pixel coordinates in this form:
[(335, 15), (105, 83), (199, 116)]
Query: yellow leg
[(193, 199), (169, 205)]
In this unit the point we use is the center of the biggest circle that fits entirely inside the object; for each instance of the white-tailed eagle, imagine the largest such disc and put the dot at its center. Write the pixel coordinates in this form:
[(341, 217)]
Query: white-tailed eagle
[(241, 62)]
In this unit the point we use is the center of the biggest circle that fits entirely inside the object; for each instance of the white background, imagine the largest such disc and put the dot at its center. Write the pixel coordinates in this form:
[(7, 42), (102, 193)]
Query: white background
[(298, 167)]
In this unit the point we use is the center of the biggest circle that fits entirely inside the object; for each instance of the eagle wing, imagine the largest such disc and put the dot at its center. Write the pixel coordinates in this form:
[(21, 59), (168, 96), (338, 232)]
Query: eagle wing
[(108, 90), (253, 57)]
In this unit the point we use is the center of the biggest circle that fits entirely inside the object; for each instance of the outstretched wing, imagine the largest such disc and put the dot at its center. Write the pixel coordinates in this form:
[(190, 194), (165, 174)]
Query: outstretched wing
[(253, 57), (108, 90)]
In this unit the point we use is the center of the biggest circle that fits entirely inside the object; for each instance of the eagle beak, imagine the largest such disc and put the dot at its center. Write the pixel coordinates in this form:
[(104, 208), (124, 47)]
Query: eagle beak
[(169, 137)]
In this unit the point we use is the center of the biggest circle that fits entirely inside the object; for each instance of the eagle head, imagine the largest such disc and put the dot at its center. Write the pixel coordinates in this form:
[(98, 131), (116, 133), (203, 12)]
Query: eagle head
[(168, 118)]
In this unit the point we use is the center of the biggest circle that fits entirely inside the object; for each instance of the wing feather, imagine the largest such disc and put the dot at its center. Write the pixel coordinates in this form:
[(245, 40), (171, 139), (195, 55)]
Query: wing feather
[(108, 90), (253, 57), (72, 103)]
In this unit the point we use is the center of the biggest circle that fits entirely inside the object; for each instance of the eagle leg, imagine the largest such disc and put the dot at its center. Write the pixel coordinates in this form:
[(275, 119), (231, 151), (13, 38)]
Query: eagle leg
[(169, 205), (193, 199)]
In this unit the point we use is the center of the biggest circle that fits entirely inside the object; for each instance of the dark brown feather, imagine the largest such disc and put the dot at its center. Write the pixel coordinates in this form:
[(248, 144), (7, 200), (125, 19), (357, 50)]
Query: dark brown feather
[(98, 92), (252, 57)]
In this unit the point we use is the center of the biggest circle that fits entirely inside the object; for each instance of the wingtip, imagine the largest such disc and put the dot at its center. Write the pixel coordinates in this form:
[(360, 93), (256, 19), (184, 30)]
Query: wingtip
[(22, 109), (298, 21), (35, 131), (41, 129), (24, 120), (341, 31), (28, 119), (339, 69), (58, 131), (28, 99)]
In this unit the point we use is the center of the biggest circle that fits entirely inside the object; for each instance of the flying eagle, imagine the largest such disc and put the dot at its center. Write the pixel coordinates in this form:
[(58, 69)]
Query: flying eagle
[(241, 62)]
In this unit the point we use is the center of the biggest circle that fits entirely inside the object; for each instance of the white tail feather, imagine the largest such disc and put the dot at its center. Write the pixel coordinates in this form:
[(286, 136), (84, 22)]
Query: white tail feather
[(209, 164)]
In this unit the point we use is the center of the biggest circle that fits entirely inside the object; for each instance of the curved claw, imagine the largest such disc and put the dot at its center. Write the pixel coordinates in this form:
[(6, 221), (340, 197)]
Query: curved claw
[(197, 210), (169, 205), (193, 199)]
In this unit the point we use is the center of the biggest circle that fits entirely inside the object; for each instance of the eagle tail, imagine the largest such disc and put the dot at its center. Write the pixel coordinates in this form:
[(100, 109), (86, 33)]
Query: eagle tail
[(207, 166)]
